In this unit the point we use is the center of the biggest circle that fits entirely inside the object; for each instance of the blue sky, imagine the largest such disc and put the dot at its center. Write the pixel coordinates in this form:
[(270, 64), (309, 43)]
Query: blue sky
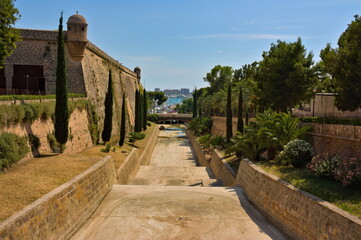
[(176, 42)]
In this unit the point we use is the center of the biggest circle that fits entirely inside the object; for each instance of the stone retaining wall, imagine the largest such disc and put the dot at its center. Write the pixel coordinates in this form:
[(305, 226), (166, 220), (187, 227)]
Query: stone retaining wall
[(299, 214), (132, 163), (336, 138), (78, 128), (60, 213), (201, 159), (222, 170), (216, 163)]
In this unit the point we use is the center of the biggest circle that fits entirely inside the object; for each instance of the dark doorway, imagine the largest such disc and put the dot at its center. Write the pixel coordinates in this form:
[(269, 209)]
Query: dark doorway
[(28, 79), (2, 81)]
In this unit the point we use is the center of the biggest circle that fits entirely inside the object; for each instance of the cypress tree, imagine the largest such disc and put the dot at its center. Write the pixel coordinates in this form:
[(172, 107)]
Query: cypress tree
[(195, 103), (122, 124), (140, 111), (61, 105), (240, 111), (108, 112), (136, 111), (145, 110), (229, 114)]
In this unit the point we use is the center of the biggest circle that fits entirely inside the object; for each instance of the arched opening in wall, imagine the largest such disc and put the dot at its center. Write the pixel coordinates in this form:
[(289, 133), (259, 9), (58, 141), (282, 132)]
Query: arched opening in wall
[(28, 79), (82, 29), (2, 81)]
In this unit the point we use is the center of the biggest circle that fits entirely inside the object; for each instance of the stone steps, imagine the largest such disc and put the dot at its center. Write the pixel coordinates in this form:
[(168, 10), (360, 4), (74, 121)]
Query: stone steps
[(174, 176), (175, 182)]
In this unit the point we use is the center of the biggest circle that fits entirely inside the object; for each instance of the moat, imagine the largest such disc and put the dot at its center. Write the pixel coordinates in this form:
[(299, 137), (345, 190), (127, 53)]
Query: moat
[(173, 198)]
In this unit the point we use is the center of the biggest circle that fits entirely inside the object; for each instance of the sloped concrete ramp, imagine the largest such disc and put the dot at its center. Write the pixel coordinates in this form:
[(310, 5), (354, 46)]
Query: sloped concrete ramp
[(176, 212)]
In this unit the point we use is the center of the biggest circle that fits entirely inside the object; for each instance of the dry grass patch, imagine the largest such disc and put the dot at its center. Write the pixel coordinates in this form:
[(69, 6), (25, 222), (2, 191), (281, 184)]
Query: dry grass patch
[(23, 184)]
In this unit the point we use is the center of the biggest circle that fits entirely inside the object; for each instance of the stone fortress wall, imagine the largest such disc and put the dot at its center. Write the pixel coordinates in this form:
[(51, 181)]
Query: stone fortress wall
[(86, 74)]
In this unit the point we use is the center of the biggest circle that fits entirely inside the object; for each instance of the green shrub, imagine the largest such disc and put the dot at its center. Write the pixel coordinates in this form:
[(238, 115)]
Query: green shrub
[(106, 149), (349, 172), (37, 97), (149, 124), (204, 140), (201, 125), (12, 149), (324, 164), (355, 122), (52, 142), (93, 123), (153, 118), (34, 142), (218, 142), (134, 136), (296, 153)]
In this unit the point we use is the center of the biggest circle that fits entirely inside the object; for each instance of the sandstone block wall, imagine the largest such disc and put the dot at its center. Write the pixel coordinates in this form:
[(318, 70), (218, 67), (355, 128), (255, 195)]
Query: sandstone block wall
[(39, 47), (96, 66), (60, 213), (78, 129), (219, 126), (298, 213), (222, 170), (90, 76), (136, 159), (201, 159), (336, 138), (216, 163)]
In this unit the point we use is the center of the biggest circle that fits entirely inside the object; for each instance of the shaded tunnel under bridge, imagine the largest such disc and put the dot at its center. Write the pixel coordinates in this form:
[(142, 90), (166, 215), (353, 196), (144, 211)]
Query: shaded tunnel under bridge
[(174, 118)]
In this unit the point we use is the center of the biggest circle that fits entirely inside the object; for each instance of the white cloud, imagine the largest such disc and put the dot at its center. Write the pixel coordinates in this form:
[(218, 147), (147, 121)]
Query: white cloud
[(241, 36)]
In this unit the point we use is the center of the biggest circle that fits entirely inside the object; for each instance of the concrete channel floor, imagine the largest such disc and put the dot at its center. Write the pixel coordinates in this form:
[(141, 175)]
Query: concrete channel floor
[(157, 211)]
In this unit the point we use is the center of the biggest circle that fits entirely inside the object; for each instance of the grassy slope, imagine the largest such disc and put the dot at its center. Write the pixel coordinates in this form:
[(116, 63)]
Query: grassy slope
[(331, 191), (25, 183)]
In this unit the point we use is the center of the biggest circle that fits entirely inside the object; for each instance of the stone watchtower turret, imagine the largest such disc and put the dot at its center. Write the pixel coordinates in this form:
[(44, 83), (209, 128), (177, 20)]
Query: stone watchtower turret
[(77, 36), (137, 71)]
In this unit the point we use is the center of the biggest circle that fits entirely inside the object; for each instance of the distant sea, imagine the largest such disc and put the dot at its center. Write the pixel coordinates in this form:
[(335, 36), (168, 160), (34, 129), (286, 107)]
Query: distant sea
[(174, 100)]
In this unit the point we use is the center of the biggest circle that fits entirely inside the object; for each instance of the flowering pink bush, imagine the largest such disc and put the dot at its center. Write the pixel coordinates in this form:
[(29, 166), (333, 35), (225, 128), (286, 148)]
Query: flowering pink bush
[(324, 164), (349, 172)]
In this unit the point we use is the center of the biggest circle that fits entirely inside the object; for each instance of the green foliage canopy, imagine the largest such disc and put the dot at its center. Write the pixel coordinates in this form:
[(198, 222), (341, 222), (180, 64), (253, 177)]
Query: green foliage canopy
[(219, 77), (344, 64), (285, 75), (186, 106), (158, 97), (9, 36)]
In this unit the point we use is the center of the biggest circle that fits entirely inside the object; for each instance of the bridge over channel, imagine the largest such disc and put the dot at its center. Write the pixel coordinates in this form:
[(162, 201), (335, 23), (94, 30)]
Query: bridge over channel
[(173, 198), (174, 118)]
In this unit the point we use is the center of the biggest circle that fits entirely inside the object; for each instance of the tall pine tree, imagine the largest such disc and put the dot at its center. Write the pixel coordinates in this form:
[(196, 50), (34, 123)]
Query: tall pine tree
[(122, 124), (61, 106), (108, 112), (240, 111), (229, 113)]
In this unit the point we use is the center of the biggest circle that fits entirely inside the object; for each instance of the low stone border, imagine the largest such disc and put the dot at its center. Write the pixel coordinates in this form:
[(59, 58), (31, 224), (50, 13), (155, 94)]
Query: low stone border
[(222, 170), (61, 212), (132, 163), (298, 213), (217, 164), (202, 160)]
